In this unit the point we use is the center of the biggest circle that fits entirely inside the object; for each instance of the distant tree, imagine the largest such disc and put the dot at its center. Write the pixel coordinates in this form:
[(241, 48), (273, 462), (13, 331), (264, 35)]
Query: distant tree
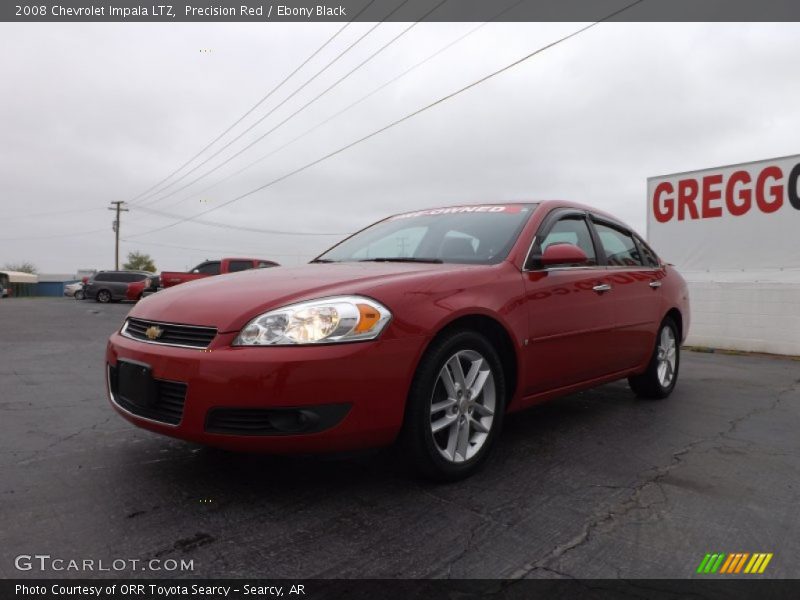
[(138, 261), (23, 267)]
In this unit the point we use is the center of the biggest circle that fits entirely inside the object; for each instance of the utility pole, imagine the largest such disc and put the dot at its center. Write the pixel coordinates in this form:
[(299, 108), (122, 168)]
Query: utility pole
[(115, 226)]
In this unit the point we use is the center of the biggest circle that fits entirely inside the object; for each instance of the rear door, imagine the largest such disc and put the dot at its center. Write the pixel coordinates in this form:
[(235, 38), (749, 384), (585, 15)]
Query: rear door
[(571, 317), (635, 293), (120, 286)]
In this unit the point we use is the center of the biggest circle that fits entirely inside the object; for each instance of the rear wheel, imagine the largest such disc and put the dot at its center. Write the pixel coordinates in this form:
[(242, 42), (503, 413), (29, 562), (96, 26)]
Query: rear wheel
[(79, 295), (661, 375), (455, 407), (104, 296)]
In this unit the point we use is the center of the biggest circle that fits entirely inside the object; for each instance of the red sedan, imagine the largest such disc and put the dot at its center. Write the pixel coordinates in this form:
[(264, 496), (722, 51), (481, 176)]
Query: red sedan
[(423, 329)]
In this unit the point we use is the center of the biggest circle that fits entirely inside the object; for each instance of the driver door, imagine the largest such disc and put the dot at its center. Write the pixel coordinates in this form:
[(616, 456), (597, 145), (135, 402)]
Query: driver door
[(571, 317)]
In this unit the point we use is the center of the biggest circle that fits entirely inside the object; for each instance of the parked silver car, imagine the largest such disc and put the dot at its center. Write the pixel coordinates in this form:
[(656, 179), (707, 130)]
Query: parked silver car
[(74, 290)]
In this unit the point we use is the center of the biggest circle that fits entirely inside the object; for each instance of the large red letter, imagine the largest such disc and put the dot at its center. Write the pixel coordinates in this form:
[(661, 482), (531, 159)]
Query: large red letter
[(710, 195), (745, 195), (663, 210), (687, 195), (776, 191)]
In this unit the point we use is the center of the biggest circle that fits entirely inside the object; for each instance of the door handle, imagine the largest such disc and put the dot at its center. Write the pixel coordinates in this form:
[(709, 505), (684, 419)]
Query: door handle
[(602, 287), (655, 284)]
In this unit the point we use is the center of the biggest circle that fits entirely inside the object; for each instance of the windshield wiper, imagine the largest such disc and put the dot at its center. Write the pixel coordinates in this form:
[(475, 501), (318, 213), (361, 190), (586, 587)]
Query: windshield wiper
[(322, 260), (408, 259)]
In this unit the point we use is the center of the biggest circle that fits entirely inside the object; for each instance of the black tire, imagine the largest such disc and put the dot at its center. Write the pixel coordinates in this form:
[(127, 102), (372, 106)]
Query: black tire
[(103, 296), (649, 384), (79, 295), (417, 440)]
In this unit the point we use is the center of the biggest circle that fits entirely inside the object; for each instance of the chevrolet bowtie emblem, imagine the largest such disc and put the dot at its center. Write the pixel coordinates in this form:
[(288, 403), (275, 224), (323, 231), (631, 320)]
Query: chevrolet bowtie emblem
[(153, 332)]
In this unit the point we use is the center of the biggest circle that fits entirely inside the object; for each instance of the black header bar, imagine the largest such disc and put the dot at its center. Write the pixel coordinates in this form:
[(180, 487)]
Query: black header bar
[(303, 11)]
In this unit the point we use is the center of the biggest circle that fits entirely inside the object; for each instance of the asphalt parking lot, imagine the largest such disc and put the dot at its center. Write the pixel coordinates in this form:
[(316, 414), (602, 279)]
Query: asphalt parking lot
[(594, 485)]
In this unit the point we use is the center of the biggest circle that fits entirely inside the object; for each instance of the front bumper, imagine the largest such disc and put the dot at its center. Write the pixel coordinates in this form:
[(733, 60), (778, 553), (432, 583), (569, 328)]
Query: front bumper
[(371, 379)]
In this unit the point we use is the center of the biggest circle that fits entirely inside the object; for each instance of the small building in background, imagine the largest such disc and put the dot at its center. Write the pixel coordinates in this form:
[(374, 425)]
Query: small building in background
[(87, 273), (53, 284), (18, 284)]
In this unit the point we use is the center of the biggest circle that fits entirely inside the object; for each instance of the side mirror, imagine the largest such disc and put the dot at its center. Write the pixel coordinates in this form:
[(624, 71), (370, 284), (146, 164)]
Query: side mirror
[(563, 254)]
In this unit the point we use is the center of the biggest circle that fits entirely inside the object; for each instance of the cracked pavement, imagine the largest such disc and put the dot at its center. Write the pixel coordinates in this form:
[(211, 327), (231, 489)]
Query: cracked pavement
[(594, 485)]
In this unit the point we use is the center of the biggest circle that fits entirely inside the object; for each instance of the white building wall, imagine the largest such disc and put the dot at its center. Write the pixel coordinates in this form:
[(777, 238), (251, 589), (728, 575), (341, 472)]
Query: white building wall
[(750, 316)]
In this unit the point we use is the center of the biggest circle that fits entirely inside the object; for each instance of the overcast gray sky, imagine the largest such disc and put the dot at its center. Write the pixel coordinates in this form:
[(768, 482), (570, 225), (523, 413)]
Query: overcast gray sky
[(98, 112)]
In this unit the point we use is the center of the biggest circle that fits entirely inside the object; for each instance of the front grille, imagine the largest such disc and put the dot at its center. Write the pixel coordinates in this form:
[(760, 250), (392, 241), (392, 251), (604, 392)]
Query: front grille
[(171, 334), (275, 421), (168, 407)]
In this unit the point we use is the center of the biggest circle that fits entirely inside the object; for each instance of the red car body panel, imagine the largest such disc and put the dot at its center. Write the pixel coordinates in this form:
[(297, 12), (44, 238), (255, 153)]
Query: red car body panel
[(560, 330), (135, 289)]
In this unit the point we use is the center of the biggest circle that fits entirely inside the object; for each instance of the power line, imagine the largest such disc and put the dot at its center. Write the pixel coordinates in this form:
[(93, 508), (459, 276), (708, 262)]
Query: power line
[(210, 250), (349, 106), (400, 120), (240, 227), (255, 106), (271, 111), (49, 213), (52, 237), (302, 108)]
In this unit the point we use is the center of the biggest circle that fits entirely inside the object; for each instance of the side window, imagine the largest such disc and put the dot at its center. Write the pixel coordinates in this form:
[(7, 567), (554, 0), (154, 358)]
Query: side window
[(620, 249), (239, 265), (571, 230), (207, 268), (102, 277), (137, 277), (263, 264), (649, 257)]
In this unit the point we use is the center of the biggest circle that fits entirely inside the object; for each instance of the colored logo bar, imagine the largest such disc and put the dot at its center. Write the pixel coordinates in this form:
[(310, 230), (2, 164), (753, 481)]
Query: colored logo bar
[(735, 563)]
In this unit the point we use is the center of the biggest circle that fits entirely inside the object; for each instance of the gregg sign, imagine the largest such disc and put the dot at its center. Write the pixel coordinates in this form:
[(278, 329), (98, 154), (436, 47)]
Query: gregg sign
[(736, 217)]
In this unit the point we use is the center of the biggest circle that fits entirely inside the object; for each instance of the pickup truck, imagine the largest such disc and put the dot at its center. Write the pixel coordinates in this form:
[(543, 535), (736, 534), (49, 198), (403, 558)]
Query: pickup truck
[(207, 269)]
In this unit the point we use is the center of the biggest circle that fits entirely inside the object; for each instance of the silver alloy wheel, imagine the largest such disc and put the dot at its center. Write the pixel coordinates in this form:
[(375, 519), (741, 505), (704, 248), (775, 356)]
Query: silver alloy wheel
[(462, 406), (104, 296), (666, 354)]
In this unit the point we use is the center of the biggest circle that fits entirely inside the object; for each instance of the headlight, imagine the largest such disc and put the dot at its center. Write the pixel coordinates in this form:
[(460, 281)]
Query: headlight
[(338, 319)]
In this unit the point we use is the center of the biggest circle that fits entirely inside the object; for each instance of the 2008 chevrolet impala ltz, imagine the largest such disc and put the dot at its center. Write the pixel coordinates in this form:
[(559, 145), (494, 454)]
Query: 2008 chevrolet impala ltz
[(423, 330)]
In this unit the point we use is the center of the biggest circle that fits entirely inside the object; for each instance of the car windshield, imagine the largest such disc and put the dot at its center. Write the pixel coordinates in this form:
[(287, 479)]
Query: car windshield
[(467, 234)]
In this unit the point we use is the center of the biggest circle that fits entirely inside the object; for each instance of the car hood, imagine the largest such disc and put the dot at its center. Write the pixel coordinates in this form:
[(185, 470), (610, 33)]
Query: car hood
[(229, 302)]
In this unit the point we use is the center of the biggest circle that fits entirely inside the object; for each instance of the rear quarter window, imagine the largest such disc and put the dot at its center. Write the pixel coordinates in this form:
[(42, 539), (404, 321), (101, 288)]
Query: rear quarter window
[(239, 265)]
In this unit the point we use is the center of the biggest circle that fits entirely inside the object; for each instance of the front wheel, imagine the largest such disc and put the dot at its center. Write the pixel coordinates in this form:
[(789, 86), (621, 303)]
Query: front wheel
[(104, 296), (455, 407), (79, 295), (661, 375)]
